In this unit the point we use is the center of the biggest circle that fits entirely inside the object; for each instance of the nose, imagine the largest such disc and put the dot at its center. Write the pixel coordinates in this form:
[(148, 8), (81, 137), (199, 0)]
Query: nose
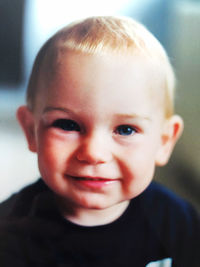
[(94, 149)]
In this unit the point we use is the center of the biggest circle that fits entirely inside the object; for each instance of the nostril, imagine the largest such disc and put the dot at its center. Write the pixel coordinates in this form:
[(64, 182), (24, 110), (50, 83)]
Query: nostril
[(92, 154), (89, 158), (94, 149)]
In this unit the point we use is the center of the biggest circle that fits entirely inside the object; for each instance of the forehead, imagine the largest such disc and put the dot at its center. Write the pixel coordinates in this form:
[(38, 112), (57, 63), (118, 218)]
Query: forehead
[(116, 75)]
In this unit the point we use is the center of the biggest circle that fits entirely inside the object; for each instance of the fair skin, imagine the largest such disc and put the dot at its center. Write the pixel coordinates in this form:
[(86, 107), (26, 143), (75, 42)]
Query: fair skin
[(99, 133)]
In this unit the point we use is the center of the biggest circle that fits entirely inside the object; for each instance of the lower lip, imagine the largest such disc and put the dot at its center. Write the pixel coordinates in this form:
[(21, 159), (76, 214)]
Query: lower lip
[(94, 183)]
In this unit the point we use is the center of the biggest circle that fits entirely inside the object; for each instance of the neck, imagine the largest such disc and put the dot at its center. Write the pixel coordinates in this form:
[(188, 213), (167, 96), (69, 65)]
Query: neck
[(94, 217)]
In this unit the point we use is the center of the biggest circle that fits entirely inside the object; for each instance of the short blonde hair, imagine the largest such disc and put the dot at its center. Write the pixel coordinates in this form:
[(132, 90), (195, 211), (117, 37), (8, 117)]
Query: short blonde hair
[(102, 34)]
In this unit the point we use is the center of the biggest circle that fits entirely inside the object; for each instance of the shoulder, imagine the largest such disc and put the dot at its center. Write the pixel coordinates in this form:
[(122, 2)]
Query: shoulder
[(166, 202), (163, 207), (174, 221), (20, 203)]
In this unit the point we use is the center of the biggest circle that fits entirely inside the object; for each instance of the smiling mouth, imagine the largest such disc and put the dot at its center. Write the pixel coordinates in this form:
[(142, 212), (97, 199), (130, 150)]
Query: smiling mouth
[(93, 182), (91, 178)]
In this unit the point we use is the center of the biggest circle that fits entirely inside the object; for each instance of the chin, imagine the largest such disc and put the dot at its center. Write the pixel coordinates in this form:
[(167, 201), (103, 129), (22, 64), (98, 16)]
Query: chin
[(96, 204)]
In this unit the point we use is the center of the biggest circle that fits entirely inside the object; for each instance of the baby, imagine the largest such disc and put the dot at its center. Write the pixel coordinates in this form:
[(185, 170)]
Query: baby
[(100, 117)]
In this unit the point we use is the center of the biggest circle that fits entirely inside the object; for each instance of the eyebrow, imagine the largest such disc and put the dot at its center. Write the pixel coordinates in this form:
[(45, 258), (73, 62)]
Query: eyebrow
[(133, 116), (118, 115), (49, 109)]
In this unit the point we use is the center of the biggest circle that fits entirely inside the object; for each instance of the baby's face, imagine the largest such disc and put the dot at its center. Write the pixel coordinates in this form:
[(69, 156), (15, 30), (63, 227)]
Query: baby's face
[(99, 128)]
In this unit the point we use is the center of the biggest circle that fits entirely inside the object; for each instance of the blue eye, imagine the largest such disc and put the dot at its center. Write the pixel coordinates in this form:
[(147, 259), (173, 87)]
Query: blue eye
[(125, 130), (66, 125)]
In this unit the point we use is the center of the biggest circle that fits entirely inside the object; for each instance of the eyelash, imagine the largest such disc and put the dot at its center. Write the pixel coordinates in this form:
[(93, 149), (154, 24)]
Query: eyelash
[(71, 125), (126, 130), (66, 125)]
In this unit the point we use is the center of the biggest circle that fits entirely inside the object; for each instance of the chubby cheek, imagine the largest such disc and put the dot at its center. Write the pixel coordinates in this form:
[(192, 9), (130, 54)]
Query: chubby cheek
[(52, 155), (138, 170)]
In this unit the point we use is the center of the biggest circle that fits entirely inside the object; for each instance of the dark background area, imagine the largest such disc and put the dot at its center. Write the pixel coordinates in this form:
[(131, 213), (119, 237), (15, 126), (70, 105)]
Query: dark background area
[(11, 42)]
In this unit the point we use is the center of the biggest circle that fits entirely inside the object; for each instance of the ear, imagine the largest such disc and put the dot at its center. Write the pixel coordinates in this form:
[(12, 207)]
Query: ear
[(172, 130), (26, 120)]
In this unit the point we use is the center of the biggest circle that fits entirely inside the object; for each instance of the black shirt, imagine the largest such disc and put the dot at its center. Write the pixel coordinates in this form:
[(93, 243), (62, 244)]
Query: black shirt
[(156, 226)]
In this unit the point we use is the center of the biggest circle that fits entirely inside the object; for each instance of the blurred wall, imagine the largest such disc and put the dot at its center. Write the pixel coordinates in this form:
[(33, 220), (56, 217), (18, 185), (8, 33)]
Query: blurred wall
[(183, 171)]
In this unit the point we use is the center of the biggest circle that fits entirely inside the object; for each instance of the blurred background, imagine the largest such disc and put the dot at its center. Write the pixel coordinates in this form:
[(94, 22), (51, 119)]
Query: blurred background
[(24, 27)]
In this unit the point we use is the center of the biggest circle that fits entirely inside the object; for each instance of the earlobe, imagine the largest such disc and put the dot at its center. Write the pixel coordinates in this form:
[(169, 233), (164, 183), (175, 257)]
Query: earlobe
[(26, 120), (172, 131)]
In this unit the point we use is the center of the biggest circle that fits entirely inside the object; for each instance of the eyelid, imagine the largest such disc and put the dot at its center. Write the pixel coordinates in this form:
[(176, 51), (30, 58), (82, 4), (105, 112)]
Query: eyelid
[(134, 127), (49, 118)]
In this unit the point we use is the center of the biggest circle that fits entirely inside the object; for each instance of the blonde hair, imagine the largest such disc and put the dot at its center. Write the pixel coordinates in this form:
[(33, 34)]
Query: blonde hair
[(97, 35)]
